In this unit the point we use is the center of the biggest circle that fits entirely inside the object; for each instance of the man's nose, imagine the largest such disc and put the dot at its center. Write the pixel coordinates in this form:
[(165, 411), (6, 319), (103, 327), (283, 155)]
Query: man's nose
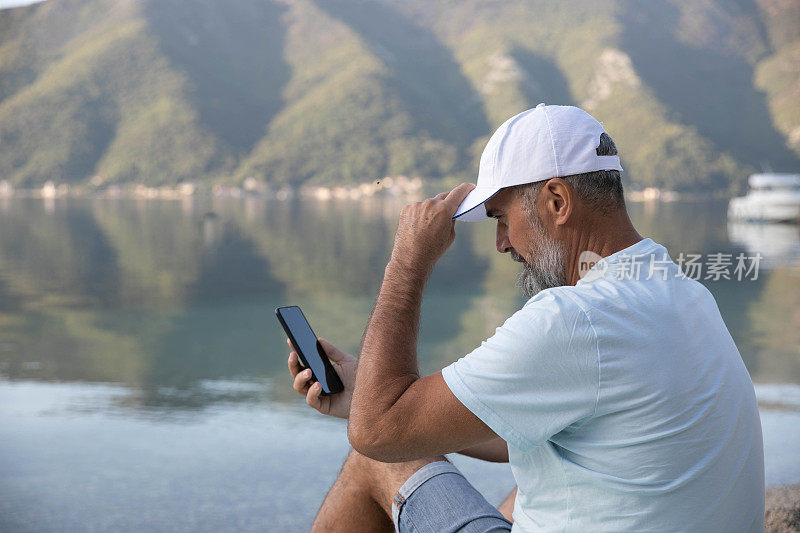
[(502, 242)]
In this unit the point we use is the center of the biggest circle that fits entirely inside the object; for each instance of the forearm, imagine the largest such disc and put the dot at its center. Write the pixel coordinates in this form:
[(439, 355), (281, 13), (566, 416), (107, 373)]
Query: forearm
[(387, 363), (395, 415), (495, 451)]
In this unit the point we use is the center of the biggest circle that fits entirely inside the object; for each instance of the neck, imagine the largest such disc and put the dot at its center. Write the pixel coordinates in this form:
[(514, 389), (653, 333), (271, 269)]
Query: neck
[(602, 235)]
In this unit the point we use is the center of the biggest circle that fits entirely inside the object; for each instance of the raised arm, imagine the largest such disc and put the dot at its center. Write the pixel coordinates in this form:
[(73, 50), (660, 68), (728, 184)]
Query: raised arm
[(396, 415)]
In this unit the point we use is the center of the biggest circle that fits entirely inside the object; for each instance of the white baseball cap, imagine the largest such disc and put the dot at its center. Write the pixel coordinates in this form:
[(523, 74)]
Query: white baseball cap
[(548, 141)]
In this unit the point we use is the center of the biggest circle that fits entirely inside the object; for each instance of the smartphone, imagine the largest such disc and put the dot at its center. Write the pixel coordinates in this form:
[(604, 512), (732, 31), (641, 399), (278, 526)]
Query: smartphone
[(308, 349)]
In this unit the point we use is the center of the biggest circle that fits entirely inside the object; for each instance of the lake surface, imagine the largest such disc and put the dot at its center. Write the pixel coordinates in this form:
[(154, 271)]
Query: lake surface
[(143, 381)]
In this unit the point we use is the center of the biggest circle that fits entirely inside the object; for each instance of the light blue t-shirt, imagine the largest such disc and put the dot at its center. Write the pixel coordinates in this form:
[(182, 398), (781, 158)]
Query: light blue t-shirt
[(624, 402)]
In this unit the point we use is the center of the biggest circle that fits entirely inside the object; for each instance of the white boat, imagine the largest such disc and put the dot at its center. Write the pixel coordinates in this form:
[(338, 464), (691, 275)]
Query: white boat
[(772, 197)]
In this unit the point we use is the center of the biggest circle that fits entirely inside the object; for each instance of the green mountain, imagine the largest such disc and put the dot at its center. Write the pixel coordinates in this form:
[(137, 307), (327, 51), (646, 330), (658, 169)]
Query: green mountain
[(696, 94)]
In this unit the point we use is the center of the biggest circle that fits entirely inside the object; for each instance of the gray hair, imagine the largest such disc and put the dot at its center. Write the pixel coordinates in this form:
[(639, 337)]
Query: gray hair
[(602, 190)]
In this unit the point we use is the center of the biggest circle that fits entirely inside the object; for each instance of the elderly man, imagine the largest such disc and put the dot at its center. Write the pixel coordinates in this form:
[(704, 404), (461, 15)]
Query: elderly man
[(616, 393)]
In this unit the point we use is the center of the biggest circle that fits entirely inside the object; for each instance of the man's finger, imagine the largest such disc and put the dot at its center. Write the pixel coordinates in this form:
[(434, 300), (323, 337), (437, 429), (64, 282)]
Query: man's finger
[(333, 353), (457, 195), (289, 342), (294, 364), (312, 398), (441, 195), (301, 381)]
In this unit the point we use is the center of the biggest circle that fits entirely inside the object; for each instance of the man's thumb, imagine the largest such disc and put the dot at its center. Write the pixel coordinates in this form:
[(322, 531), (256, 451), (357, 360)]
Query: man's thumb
[(333, 353)]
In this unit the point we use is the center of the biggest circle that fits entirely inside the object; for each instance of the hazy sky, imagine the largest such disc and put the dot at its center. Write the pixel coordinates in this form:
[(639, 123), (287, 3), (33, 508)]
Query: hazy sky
[(13, 3)]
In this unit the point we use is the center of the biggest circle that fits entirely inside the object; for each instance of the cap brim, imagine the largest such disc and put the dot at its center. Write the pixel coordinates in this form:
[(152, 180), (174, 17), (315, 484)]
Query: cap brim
[(472, 208)]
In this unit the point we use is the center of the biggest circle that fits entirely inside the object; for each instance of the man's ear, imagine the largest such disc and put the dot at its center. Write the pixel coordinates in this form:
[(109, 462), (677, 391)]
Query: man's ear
[(559, 200)]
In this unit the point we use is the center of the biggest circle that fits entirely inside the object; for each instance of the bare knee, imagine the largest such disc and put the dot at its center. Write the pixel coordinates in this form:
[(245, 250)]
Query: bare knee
[(381, 480), (361, 465)]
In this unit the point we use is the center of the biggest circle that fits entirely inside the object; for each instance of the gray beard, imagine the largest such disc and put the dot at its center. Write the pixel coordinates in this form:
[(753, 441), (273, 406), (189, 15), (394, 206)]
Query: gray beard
[(543, 270)]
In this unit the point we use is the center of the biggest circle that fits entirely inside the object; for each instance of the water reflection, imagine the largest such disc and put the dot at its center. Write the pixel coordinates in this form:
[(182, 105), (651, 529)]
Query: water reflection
[(779, 243), (170, 298), (173, 408)]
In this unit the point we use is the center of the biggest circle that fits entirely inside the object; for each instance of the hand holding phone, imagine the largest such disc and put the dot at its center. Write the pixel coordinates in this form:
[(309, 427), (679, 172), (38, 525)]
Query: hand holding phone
[(337, 405), (309, 351), (304, 383)]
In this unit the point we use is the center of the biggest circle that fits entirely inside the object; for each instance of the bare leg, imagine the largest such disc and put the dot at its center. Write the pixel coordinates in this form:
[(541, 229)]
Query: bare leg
[(507, 507), (361, 498)]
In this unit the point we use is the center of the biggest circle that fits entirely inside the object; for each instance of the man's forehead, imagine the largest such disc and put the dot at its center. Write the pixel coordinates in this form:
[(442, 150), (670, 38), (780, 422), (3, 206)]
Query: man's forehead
[(497, 202)]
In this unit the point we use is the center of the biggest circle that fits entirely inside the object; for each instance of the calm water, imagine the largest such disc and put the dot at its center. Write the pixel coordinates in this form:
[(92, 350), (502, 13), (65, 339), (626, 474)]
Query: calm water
[(143, 379)]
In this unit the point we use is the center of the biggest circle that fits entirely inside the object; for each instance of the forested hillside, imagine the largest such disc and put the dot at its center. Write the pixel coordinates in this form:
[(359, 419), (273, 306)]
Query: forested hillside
[(696, 94)]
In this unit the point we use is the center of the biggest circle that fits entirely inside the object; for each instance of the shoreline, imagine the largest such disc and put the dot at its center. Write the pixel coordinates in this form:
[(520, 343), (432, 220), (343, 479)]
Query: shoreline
[(402, 187)]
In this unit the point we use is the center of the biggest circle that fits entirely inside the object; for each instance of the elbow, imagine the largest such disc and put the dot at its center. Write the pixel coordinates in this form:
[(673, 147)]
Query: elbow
[(370, 441), (363, 439)]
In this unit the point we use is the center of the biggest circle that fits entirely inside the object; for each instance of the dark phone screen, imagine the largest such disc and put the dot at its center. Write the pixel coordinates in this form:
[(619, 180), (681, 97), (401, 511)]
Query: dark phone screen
[(306, 342)]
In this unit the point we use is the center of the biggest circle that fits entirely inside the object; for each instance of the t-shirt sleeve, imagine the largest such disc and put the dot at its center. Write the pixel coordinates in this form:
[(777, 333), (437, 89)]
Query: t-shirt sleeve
[(538, 374)]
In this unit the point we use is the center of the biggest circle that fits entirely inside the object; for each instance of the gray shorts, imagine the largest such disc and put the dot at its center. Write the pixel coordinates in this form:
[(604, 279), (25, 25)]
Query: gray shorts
[(437, 498)]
